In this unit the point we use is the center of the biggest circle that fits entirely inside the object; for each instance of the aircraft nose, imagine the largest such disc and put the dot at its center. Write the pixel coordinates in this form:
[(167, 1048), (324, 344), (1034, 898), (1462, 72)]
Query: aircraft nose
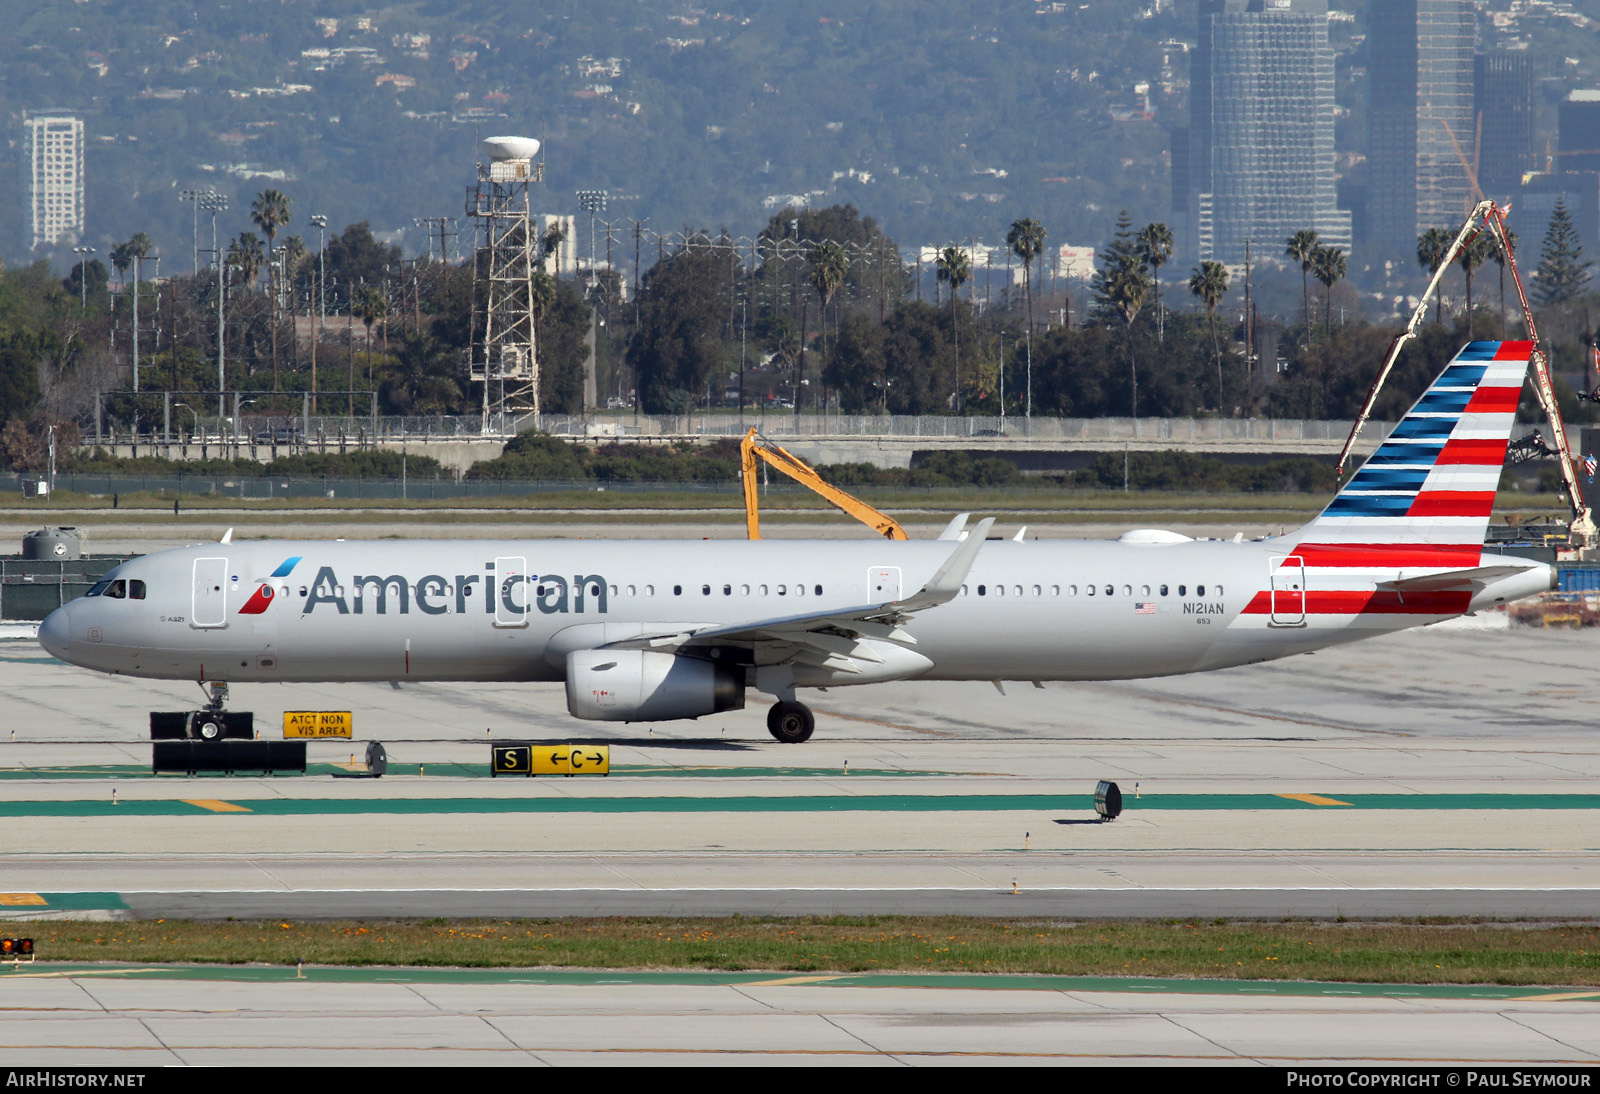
[(53, 633)]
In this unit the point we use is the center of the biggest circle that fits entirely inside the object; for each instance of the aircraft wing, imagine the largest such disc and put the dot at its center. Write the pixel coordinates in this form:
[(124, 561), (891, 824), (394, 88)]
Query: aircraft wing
[(834, 634)]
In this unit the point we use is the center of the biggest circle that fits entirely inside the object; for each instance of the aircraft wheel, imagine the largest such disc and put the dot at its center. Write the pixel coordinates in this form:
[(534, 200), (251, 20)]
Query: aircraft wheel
[(790, 723), (207, 726)]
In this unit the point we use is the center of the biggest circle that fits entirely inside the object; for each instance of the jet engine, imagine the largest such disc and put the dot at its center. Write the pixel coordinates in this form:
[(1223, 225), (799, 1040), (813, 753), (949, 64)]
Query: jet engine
[(642, 685)]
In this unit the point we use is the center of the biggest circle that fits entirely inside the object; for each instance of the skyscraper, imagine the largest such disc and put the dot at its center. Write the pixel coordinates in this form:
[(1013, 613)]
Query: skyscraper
[(55, 177), (1503, 91), (1422, 126), (1261, 163)]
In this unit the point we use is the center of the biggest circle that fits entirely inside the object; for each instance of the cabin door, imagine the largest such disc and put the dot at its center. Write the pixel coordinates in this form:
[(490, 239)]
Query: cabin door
[(1288, 591)]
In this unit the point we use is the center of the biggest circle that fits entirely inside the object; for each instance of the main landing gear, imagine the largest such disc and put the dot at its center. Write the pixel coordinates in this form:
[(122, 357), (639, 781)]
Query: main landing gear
[(790, 722)]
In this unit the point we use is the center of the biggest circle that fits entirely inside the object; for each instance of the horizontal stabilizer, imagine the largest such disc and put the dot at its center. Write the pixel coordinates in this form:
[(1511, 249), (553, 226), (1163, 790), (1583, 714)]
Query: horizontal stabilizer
[(1452, 579)]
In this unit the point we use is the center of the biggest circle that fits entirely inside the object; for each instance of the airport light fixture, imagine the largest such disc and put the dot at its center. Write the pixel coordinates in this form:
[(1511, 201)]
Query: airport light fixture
[(592, 202), (215, 203), (83, 254)]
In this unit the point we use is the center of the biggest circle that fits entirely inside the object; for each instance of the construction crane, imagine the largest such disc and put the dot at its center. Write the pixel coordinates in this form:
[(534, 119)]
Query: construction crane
[(1487, 216), (751, 449)]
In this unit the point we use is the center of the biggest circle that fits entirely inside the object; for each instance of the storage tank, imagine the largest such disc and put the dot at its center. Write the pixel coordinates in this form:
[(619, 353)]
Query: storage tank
[(52, 544)]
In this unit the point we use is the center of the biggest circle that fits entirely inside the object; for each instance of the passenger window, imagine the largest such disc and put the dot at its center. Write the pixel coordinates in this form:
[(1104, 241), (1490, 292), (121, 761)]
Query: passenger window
[(1199, 590), (705, 590), (999, 590), (1127, 590), (1163, 590), (1218, 588), (983, 590), (763, 590), (1055, 590), (744, 590), (799, 590), (1090, 589), (1144, 590), (1181, 591), (633, 590), (782, 589), (677, 590), (1111, 590), (818, 590), (649, 590), (727, 590), (1017, 590), (303, 590), (963, 590), (613, 590)]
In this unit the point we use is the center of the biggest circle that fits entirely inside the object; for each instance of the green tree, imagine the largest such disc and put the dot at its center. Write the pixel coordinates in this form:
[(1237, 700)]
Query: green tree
[(1121, 285), (1210, 283), (1432, 246), (1562, 273), (674, 349), (1155, 247), (1328, 266), (369, 306), (1026, 240), (1299, 247)]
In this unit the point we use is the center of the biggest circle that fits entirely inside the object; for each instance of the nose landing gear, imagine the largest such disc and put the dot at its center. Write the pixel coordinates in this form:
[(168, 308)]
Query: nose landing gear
[(210, 723), (790, 722)]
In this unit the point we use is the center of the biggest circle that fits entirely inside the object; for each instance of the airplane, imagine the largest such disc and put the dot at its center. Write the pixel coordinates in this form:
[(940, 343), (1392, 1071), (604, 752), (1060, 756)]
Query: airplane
[(656, 631)]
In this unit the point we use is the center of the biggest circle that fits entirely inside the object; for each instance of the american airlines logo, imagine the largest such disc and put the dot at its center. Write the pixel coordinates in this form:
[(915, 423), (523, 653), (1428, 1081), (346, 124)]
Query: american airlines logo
[(439, 594)]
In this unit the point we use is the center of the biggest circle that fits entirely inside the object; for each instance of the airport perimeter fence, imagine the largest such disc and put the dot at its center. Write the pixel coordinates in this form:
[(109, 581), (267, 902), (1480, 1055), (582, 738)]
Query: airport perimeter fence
[(263, 487), (328, 433)]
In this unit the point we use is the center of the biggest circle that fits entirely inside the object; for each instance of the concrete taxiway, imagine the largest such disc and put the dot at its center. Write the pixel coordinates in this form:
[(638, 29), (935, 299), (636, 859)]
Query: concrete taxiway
[(1449, 771)]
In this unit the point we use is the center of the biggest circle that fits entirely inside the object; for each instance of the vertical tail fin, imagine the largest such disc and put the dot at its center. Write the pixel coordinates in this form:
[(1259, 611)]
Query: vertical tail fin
[(1433, 480)]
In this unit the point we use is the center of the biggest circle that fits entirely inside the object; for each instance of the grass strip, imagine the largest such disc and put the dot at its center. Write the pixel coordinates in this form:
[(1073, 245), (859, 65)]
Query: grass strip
[(1420, 952)]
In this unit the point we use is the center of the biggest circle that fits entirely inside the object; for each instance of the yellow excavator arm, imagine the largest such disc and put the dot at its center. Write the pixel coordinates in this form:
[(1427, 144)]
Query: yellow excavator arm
[(752, 449)]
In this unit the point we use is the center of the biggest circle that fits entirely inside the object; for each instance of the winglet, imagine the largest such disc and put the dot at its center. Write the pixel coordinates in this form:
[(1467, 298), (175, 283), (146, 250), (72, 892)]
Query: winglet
[(227, 537), (943, 586), (957, 525)]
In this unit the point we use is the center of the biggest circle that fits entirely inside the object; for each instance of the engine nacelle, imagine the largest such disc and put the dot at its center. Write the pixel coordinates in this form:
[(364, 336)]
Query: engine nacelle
[(642, 685)]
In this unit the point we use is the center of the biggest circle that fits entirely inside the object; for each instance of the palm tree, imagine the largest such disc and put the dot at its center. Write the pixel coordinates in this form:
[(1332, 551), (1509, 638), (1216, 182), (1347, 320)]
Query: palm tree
[(1473, 255), (955, 267), (1026, 240), (1499, 256), (1328, 266), (550, 244), (1299, 247), (1432, 246), (369, 306), (247, 253), (269, 212), (1155, 247), (1210, 283)]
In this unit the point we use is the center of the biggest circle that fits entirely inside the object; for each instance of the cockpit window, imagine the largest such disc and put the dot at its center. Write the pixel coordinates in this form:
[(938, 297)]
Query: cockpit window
[(135, 589), (118, 590), (98, 588)]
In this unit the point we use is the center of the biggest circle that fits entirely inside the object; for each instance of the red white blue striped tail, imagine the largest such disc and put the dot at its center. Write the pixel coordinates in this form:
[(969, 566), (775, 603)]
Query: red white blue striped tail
[(1432, 482)]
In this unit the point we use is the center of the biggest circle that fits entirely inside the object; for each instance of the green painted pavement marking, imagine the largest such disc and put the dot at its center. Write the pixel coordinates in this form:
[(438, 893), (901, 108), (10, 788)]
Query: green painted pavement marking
[(481, 771), (947, 981), (72, 902), (798, 803)]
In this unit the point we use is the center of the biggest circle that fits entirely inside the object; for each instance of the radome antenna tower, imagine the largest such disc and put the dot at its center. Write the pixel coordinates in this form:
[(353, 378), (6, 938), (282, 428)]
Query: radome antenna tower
[(505, 358)]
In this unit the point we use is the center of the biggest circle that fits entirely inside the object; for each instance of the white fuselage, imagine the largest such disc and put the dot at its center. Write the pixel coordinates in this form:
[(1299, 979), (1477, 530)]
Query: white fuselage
[(1035, 610)]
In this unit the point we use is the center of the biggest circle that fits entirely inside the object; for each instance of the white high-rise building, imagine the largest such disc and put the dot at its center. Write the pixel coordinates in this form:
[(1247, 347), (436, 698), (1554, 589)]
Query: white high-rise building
[(55, 175)]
